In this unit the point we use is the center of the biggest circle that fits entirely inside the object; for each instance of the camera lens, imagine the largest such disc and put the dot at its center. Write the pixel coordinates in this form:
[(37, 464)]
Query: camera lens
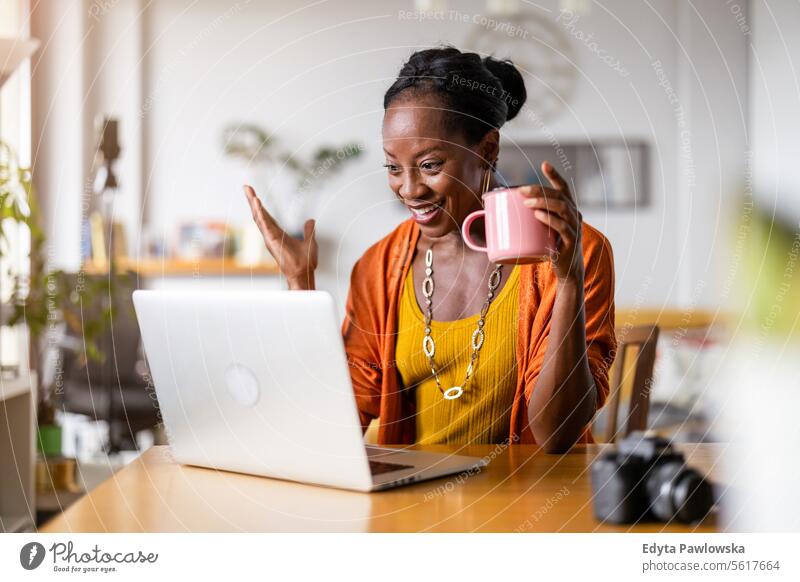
[(678, 493), (692, 497)]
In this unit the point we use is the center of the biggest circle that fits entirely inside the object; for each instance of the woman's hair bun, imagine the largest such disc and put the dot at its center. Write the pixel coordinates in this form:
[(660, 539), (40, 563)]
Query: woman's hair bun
[(476, 94), (512, 82)]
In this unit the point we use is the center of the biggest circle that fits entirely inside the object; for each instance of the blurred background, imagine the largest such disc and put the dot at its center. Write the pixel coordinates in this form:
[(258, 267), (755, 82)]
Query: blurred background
[(129, 126)]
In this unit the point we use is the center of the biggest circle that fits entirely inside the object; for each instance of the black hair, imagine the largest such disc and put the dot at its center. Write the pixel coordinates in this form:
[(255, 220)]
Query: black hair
[(477, 94)]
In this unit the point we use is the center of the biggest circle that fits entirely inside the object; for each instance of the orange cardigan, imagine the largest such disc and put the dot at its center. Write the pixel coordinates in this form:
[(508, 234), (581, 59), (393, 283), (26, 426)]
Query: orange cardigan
[(370, 326)]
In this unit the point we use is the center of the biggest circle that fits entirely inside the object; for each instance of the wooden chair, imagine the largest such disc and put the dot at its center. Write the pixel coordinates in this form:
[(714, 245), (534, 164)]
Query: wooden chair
[(630, 379)]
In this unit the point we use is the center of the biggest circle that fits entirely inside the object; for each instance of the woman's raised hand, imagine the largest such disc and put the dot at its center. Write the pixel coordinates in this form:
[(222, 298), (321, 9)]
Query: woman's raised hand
[(297, 259), (556, 207)]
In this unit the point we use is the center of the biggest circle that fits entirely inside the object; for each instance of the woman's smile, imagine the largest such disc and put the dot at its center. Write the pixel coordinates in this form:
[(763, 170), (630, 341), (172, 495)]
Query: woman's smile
[(425, 213)]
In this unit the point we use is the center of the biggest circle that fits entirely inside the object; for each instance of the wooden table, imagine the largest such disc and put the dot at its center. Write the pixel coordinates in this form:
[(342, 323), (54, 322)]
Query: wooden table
[(523, 489)]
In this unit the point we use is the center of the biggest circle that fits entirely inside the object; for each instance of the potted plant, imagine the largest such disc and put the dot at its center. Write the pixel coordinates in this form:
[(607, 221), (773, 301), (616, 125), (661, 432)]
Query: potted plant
[(258, 149), (43, 300)]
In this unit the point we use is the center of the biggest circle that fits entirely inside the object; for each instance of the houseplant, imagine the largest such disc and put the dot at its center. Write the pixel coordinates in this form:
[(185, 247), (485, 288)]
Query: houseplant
[(43, 300), (259, 150)]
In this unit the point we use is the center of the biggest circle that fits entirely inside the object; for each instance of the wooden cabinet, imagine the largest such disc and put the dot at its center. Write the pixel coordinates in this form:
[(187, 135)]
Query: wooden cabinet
[(17, 453)]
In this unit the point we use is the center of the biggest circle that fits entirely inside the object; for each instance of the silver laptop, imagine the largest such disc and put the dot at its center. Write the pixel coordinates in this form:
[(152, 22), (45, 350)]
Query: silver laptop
[(258, 382)]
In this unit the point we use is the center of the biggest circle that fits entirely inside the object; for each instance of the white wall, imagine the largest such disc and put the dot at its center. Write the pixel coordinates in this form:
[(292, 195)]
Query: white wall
[(775, 111), (317, 75)]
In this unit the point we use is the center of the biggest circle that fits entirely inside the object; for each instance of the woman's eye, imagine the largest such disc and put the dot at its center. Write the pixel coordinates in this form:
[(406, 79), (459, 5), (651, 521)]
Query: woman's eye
[(391, 168), (430, 166)]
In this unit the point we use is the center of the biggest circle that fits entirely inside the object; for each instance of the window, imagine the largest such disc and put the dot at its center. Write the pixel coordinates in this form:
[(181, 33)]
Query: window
[(15, 130)]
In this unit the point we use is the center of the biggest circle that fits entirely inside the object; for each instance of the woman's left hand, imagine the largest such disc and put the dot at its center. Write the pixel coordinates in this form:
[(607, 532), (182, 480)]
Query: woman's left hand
[(556, 207)]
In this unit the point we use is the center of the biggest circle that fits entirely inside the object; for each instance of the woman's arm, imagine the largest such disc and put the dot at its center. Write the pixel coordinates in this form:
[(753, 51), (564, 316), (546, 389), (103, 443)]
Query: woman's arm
[(362, 346), (566, 396)]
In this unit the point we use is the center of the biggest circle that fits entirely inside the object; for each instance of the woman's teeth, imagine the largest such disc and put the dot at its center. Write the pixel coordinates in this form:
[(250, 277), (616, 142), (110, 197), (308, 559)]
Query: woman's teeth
[(424, 211)]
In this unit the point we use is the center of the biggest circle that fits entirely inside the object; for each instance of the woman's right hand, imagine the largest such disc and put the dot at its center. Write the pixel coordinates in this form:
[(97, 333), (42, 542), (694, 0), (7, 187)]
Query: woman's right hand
[(297, 259)]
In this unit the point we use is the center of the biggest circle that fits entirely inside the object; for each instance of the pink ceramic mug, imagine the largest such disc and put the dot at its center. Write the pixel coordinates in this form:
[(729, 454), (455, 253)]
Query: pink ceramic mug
[(513, 234)]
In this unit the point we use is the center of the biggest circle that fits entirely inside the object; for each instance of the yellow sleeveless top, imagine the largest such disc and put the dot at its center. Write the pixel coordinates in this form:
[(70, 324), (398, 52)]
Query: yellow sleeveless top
[(483, 412)]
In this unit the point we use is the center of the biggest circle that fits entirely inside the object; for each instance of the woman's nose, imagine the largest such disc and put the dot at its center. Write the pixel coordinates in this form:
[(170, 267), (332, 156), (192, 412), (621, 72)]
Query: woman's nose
[(411, 187)]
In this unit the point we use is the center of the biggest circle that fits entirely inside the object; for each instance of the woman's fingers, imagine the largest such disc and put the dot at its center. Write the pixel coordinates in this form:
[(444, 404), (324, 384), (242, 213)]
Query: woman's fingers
[(564, 229), (309, 230), (266, 224), (556, 181), (557, 206), (297, 259), (309, 238), (535, 191)]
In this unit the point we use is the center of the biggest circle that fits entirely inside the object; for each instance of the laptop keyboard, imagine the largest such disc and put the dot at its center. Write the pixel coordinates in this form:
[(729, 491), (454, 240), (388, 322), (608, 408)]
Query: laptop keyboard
[(378, 468)]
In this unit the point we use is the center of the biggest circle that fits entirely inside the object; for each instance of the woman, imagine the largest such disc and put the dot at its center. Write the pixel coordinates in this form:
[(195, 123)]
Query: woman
[(540, 373)]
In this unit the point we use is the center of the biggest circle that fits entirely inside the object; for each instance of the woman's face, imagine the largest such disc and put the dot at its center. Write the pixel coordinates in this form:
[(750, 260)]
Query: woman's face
[(434, 172)]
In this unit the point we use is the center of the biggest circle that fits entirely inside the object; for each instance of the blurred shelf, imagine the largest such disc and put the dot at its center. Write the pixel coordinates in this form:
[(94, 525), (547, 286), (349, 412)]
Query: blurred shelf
[(669, 318), (185, 268), (57, 500), (15, 387), (15, 523)]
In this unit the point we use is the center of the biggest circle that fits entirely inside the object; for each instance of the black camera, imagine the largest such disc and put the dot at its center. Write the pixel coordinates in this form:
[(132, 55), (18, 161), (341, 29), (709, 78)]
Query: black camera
[(646, 479)]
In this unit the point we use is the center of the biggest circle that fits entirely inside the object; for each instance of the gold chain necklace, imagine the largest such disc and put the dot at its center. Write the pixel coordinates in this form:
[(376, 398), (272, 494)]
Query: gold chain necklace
[(429, 346)]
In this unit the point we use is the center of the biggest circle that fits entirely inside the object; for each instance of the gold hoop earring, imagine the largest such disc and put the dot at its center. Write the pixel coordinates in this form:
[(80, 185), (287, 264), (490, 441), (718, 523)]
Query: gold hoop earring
[(486, 181)]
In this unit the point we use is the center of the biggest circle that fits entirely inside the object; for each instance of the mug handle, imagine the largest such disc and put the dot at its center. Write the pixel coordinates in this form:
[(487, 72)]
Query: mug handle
[(465, 230)]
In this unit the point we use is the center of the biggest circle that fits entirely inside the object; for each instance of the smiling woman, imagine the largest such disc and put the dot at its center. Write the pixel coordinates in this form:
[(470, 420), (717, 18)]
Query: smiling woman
[(445, 346)]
